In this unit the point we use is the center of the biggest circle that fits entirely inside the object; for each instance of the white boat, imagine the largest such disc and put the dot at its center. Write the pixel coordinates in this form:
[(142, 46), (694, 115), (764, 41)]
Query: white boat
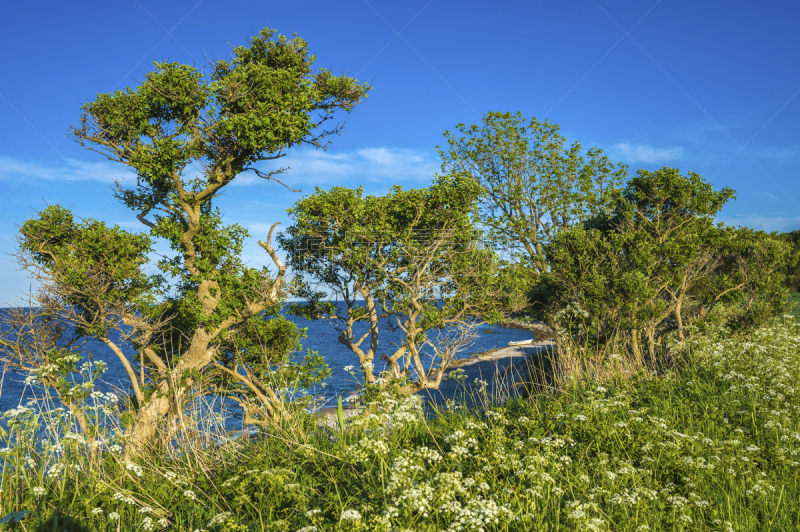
[(522, 342)]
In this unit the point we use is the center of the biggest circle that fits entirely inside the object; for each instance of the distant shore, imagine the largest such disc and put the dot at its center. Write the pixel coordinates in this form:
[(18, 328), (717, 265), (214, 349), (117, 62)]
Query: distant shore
[(496, 372)]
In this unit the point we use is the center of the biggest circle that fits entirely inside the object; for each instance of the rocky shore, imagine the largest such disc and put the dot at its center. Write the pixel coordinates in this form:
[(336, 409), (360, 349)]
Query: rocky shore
[(540, 330)]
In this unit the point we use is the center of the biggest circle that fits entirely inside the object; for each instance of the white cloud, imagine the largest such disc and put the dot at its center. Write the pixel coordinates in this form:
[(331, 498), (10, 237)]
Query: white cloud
[(366, 165), (779, 155), (643, 153), (764, 223), (311, 167), (63, 170)]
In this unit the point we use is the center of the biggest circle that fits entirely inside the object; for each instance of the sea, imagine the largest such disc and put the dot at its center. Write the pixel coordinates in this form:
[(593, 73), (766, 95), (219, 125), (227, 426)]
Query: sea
[(321, 336)]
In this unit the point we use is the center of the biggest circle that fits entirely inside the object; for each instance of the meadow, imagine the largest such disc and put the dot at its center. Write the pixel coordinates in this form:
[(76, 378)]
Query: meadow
[(711, 442)]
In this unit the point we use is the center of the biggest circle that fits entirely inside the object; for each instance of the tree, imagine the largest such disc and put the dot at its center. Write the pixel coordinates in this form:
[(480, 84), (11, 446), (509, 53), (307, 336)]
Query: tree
[(792, 270), (748, 278), (657, 263), (535, 186), (210, 320), (336, 233), (413, 257)]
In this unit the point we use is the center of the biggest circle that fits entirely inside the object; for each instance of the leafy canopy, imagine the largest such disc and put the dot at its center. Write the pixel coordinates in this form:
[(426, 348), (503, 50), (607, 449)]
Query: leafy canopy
[(412, 256), (186, 134), (535, 186), (657, 262)]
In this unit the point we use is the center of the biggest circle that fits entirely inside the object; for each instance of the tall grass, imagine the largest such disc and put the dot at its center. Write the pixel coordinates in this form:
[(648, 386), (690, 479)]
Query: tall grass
[(712, 444)]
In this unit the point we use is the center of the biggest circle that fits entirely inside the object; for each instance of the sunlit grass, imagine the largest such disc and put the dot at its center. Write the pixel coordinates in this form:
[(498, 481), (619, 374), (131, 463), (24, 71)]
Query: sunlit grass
[(713, 444)]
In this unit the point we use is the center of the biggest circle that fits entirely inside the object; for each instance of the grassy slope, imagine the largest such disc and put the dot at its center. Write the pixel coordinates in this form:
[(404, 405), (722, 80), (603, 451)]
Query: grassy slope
[(715, 446)]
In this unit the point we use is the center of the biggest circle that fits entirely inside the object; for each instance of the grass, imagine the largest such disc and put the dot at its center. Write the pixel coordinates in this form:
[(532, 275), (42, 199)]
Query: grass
[(713, 444)]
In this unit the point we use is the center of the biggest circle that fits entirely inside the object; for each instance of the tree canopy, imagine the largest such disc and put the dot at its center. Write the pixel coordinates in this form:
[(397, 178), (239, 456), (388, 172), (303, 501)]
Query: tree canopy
[(657, 263), (413, 256), (535, 186), (186, 134)]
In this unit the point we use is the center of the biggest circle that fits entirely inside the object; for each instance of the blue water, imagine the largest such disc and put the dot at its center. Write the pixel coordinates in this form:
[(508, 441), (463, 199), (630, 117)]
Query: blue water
[(321, 337)]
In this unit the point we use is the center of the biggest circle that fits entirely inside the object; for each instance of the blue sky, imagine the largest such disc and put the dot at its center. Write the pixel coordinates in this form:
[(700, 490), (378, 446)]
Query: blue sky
[(712, 87)]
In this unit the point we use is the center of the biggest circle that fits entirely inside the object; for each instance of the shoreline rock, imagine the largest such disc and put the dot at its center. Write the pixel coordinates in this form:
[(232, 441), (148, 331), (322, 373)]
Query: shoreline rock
[(542, 331)]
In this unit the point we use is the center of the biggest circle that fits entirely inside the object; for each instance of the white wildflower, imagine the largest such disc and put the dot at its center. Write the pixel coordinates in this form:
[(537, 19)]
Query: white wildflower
[(219, 518), (130, 466)]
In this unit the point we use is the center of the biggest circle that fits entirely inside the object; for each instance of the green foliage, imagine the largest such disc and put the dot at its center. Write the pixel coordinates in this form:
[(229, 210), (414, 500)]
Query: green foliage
[(794, 302), (749, 277), (534, 185), (709, 445), (657, 263), (792, 269), (101, 265), (207, 322), (412, 255)]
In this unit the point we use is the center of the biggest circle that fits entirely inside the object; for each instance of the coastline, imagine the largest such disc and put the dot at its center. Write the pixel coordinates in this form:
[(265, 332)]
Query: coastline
[(492, 375)]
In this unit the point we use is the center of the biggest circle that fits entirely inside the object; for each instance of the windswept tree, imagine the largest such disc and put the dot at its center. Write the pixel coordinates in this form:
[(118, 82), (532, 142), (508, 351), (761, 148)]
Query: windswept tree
[(336, 235), (535, 186), (657, 263), (414, 258), (208, 319)]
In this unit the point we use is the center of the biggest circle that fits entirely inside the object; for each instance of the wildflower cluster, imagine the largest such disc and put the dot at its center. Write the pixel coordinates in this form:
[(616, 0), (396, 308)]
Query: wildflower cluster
[(713, 444)]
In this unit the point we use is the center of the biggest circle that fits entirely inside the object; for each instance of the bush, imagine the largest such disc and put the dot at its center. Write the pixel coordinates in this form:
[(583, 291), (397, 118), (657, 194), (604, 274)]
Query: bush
[(656, 265)]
